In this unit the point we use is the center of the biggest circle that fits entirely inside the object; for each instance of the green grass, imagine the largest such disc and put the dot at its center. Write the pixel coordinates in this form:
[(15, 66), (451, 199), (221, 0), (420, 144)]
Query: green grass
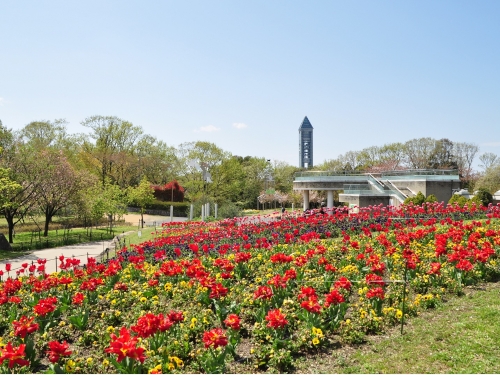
[(4, 254), (460, 336)]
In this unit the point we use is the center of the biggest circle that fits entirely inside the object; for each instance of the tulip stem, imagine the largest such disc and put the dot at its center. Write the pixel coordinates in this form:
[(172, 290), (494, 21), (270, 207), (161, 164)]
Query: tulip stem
[(404, 297)]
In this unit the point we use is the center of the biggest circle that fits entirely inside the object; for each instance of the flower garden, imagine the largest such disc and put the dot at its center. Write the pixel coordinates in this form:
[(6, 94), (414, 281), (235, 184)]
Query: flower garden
[(258, 290)]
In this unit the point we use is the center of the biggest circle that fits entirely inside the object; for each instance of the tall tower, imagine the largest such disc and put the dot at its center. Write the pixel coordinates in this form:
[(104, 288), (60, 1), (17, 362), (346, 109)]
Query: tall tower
[(305, 144)]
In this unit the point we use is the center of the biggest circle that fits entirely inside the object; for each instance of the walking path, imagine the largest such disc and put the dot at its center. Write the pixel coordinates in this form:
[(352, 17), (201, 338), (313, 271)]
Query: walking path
[(80, 251)]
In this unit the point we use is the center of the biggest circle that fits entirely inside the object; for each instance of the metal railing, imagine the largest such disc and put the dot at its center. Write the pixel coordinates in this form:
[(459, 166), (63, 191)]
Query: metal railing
[(69, 239), (406, 172)]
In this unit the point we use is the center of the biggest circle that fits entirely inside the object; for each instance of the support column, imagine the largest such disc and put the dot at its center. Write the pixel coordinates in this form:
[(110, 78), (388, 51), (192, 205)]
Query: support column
[(305, 198), (329, 200)]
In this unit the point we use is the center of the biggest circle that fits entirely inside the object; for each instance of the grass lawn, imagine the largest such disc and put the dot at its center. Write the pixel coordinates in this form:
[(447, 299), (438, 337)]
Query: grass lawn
[(4, 254), (460, 336)]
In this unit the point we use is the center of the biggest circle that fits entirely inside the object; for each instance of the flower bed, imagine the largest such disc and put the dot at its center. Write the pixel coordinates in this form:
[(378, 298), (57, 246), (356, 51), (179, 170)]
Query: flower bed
[(261, 290)]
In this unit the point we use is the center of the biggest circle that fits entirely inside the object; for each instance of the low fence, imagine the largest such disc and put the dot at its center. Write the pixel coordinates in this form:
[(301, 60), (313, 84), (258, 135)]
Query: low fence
[(52, 264)]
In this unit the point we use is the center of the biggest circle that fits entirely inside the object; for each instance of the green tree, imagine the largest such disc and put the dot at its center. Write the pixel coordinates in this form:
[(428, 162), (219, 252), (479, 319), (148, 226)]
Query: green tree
[(44, 134), (6, 138), (8, 188), (201, 167), (155, 160), (25, 170), (465, 154), (488, 159), (418, 152), (114, 201), (112, 152), (141, 196), (58, 184), (283, 174), (442, 156), (490, 181), (255, 175)]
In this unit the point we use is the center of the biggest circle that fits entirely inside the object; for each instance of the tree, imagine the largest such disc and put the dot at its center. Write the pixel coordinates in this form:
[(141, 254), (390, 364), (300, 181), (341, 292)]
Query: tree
[(95, 201), (227, 181), (442, 156), (283, 174), (488, 159), (154, 160), (255, 175), (8, 188), (6, 138), (113, 200), (419, 152), (368, 157), (465, 154), (44, 134), (331, 165), (351, 161), (201, 166), (111, 154), (141, 196), (490, 181), (58, 183), (392, 156), (25, 171)]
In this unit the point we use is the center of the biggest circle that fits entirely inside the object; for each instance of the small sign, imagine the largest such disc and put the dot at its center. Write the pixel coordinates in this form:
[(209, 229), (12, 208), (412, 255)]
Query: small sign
[(139, 233), (270, 191)]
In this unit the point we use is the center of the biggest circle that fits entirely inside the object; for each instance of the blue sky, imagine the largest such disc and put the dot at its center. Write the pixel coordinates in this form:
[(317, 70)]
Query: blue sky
[(243, 74)]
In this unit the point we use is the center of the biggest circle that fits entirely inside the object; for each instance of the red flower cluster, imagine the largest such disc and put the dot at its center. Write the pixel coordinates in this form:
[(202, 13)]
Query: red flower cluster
[(375, 293), (311, 304), (125, 346), (149, 324), (276, 319), (78, 298), (343, 283), (45, 306), (334, 298), (14, 355), (58, 350), (263, 292), (24, 326), (215, 338), (233, 321)]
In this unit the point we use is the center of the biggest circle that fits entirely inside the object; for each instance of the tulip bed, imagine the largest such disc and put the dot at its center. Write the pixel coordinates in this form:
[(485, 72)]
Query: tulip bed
[(260, 291)]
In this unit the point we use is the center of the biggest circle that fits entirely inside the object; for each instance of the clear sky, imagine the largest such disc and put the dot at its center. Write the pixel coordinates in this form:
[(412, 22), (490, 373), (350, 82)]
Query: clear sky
[(243, 74)]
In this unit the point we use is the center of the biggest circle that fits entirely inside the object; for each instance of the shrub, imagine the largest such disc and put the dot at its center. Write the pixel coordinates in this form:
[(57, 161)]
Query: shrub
[(416, 200), (431, 199), (229, 210), (181, 209), (484, 197), (459, 199)]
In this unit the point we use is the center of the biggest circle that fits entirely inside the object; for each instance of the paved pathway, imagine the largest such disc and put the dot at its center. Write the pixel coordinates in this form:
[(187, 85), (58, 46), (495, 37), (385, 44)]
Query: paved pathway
[(79, 251)]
